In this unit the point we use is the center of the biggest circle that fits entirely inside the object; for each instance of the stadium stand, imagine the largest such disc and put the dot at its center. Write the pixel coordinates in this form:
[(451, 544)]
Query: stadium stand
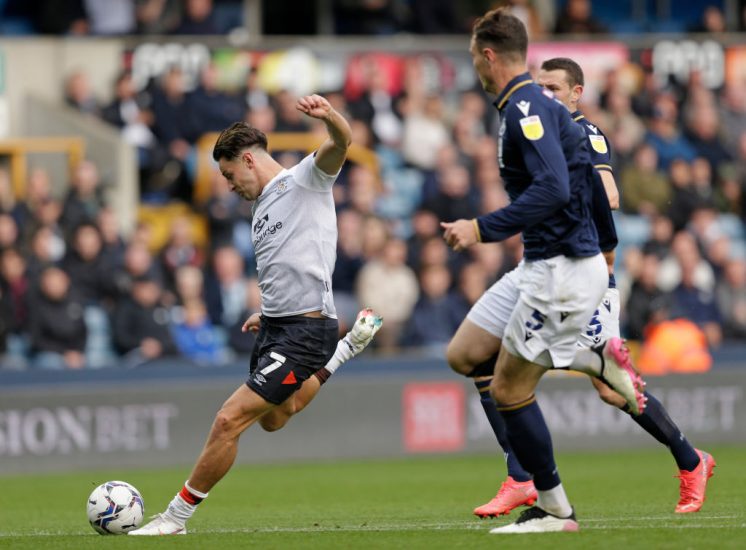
[(137, 169)]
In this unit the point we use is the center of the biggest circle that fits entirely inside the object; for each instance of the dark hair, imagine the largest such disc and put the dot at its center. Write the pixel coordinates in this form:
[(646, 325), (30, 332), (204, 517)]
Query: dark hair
[(237, 137), (503, 32), (572, 69)]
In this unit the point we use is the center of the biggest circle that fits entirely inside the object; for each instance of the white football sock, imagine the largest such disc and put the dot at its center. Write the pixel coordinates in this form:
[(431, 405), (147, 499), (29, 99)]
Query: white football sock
[(588, 361), (344, 352), (179, 509), (555, 502)]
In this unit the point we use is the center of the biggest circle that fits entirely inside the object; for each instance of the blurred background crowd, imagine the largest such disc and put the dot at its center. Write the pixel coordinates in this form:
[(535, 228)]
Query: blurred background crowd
[(361, 17), (77, 293)]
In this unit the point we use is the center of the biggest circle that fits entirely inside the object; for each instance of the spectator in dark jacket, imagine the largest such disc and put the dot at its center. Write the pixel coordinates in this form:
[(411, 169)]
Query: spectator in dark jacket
[(15, 284), (225, 289), (141, 325), (58, 331), (198, 18), (213, 109), (646, 300), (437, 314), (452, 202), (174, 128), (138, 263), (180, 250), (91, 281), (84, 200), (576, 17)]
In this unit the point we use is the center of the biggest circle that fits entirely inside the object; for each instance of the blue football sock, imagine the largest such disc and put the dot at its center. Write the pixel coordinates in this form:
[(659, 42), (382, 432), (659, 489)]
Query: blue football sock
[(530, 439), (656, 422), (498, 426)]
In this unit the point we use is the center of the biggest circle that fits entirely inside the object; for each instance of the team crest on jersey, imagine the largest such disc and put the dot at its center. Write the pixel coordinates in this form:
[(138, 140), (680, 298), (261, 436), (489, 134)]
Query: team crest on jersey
[(599, 144), (532, 127), (282, 186)]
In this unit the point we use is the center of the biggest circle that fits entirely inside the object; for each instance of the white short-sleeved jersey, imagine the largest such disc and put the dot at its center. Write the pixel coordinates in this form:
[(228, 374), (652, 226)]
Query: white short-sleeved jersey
[(294, 231)]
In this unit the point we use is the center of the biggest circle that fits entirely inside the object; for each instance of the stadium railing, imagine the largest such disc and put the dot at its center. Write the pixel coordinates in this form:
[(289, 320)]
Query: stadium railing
[(115, 159)]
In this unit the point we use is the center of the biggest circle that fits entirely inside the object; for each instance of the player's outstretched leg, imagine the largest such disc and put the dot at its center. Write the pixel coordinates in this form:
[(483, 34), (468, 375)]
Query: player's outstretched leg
[(367, 324), (610, 362), (518, 489), (238, 413)]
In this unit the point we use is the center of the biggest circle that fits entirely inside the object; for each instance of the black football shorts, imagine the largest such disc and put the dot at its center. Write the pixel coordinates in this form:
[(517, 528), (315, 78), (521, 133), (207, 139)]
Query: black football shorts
[(287, 351)]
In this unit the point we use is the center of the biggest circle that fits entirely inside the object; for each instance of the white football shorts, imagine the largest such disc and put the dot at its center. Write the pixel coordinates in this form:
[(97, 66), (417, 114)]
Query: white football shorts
[(541, 307), (604, 323)]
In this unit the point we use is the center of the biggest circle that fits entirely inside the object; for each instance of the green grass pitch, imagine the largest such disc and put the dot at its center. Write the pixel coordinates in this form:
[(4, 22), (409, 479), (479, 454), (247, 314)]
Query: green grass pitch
[(623, 500)]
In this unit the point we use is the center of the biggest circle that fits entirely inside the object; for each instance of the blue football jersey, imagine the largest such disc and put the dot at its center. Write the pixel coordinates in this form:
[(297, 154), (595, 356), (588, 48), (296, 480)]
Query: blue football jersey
[(601, 159), (546, 168)]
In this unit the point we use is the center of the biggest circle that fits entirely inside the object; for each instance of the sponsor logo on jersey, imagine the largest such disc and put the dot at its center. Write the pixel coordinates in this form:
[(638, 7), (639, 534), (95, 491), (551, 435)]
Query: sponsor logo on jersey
[(599, 144), (269, 230), (259, 224), (592, 128), (524, 106), (532, 127)]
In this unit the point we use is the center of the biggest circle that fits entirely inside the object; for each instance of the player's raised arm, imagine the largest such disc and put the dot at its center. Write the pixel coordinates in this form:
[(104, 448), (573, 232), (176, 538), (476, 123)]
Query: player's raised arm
[(332, 153)]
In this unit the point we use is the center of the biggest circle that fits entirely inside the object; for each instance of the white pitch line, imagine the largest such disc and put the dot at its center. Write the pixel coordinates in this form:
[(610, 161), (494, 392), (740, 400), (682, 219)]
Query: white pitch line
[(685, 523)]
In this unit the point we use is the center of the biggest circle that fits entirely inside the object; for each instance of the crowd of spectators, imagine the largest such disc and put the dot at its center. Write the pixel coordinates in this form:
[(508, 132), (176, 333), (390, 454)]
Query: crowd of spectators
[(356, 17), (76, 293), (119, 17)]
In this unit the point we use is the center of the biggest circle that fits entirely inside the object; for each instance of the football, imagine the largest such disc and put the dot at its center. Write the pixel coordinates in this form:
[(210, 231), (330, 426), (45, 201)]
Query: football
[(114, 508)]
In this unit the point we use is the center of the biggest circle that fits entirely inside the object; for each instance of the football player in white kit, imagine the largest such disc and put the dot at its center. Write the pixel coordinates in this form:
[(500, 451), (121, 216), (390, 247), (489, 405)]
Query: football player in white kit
[(294, 231)]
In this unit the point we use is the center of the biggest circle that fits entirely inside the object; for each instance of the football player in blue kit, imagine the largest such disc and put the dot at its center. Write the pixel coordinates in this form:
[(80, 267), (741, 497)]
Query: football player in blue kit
[(532, 317), (565, 79)]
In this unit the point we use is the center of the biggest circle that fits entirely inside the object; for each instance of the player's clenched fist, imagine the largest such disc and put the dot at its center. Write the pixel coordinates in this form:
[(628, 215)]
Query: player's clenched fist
[(314, 106), (252, 324), (460, 234)]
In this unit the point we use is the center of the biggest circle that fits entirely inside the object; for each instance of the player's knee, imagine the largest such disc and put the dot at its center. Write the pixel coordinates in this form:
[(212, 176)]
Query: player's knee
[(499, 392), (507, 394), (458, 360), (225, 423)]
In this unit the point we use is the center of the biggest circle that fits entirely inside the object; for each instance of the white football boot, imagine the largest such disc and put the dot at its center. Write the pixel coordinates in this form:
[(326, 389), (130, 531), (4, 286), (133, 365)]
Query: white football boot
[(365, 328), (620, 375), (161, 524), (536, 520)]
